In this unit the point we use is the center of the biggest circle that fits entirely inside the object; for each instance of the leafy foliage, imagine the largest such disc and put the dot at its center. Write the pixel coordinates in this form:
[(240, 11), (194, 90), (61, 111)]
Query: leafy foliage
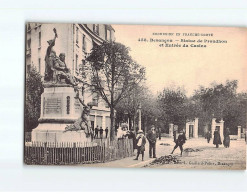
[(114, 73), (172, 103), (34, 89), (222, 101), (129, 104)]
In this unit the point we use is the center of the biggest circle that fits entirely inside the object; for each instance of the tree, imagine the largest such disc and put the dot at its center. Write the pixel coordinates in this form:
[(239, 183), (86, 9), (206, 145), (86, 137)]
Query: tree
[(34, 89), (114, 73), (221, 101), (130, 103), (172, 102)]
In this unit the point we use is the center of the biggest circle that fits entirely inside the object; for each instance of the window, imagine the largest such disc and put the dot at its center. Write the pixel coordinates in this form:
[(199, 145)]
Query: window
[(39, 39), (96, 28), (108, 35), (28, 27), (95, 99), (39, 65), (77, 35), (83, 42), (76, 62), (28, 68), (29, 44), (68, 105)]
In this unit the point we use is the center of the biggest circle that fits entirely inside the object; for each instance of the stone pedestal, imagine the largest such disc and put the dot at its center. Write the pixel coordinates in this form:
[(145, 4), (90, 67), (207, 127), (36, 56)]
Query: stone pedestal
[(59, 108)]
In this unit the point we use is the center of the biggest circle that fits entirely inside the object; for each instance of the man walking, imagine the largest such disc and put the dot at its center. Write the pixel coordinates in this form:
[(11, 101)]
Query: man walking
[(151, 137), (179, 142)]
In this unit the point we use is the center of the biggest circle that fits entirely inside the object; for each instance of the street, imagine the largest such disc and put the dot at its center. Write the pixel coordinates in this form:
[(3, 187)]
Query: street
[(207, 156)]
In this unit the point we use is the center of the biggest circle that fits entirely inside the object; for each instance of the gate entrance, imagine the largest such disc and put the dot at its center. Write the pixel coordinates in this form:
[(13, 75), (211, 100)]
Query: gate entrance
[(191, 131)]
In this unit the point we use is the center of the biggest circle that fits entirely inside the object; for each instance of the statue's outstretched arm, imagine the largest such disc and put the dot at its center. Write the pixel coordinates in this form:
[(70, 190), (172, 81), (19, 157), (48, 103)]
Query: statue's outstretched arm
[(54, 40), (52, 43)]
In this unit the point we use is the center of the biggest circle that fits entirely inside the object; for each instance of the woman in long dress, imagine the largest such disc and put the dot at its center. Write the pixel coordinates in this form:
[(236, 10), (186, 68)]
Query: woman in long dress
[(217, 138), (226, 141)]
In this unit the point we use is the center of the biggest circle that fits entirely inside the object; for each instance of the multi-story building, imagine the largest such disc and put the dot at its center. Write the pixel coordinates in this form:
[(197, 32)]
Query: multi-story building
[(76, 41)]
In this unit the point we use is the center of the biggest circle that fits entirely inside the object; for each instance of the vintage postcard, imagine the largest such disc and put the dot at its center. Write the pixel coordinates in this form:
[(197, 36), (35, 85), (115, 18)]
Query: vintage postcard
[(135, 96)]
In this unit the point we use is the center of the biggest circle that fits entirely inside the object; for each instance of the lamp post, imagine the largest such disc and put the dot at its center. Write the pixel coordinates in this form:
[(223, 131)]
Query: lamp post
[(140, 117)]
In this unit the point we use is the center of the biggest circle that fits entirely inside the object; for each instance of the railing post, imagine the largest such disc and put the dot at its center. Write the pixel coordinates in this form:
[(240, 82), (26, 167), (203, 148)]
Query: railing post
[(74, 153), (45, 153)]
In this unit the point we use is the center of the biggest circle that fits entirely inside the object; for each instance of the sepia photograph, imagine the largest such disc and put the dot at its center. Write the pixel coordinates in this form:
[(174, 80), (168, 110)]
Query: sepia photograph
[(135, 96)]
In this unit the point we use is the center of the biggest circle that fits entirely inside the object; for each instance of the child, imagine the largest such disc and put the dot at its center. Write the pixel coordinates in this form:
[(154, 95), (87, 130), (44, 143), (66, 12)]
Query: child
[(141, 141)]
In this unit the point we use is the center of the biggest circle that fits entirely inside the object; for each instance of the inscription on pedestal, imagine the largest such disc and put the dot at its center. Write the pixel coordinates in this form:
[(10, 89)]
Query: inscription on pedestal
[(52, 106)]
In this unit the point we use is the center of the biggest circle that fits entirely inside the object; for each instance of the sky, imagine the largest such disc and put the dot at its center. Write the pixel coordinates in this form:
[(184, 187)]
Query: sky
[(187, 66)]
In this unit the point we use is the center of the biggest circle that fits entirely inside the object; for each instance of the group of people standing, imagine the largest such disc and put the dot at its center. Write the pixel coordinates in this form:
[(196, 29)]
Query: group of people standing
[(141, 141), (217, 138), (152, 136), (98, 132)]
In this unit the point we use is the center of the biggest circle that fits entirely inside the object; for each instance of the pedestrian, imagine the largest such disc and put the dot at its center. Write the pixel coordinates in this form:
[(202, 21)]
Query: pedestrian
[(101, 132), (141, 141), (217, 138), (209, 136), (106, 132), (159, 132), (131, 135), (122, 131), (151, 137), (180, 142), (226, 140), (96, 130)]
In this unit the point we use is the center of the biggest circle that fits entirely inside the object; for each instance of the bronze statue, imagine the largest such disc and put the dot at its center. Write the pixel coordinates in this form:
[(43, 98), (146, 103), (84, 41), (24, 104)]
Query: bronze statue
[(62, 72), (50, 58), (82, 123), (55, 68)]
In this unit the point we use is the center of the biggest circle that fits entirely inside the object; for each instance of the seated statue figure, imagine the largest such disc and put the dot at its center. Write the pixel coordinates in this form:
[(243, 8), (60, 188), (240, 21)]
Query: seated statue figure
[(62, 72)]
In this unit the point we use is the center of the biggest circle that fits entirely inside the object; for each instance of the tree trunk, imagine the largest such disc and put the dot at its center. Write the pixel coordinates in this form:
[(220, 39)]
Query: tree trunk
[(134, 123), (130, 121), (145, 125), (112, 132)]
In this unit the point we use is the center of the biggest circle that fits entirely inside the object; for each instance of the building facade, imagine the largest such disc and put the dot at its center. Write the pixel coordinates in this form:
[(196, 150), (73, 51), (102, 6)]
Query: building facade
[(76, 41)]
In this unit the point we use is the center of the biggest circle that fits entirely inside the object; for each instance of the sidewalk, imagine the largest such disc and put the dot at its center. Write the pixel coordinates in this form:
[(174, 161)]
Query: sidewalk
[(130, 162), (209, 157)]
